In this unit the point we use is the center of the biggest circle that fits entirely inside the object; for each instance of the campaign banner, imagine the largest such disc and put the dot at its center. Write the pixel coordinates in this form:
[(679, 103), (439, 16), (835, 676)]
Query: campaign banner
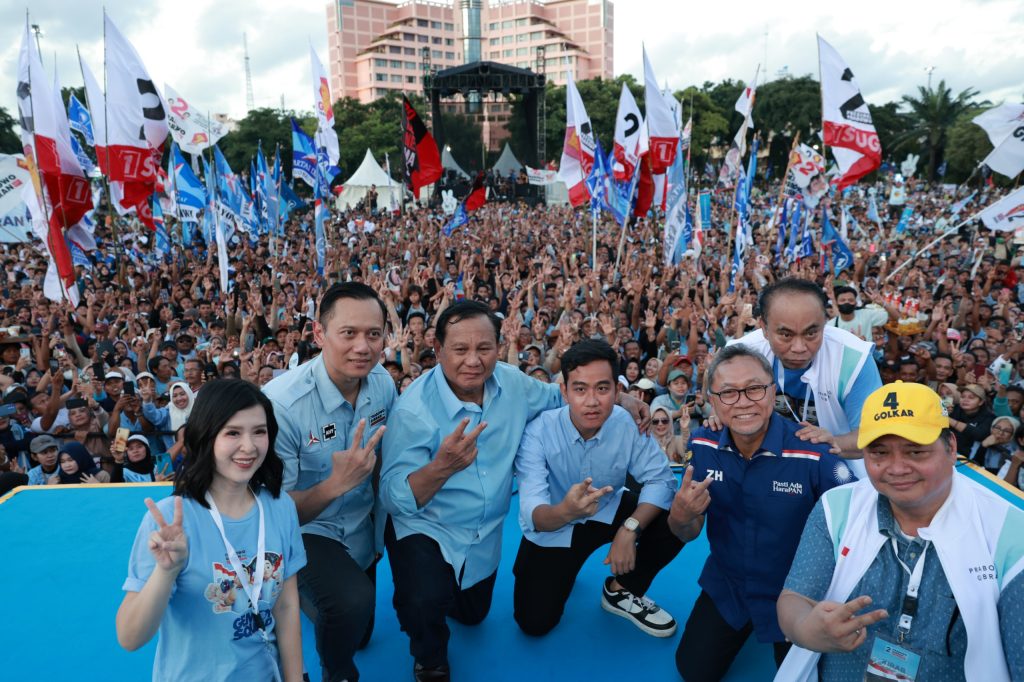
[(192, 130), (14, 178), (541, 176)]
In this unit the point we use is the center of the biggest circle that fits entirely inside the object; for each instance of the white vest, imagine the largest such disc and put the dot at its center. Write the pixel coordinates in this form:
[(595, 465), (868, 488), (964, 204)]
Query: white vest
[(833, 371), (967, 532)]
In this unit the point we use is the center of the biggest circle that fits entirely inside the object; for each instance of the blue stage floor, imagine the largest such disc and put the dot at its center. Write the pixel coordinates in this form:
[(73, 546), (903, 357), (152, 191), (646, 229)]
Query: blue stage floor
[(66, 548), (66, 552)]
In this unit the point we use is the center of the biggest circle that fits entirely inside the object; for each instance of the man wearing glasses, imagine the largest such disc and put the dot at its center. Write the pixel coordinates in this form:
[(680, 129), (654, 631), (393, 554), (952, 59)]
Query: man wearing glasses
[(756, 482)]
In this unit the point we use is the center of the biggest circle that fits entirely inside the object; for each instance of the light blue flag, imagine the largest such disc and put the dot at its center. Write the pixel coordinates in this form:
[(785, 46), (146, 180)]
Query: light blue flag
[(162, 239), (303, 156), (273, 192), (597, 181), (904, 222), (842, 257), (210, 215), (78, 255), (780, 243), (705, 210), (738, 251), (959, 206), (677, 218), (873, 210), (620, 194), (794, 231), (80, 119), (290, 201), (83, 159), (806, 240), (189, 193)]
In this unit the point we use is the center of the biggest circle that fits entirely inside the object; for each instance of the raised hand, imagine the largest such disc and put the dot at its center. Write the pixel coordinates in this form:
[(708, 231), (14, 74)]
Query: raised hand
[(582, 499), (458, 449), (355, 464), (691, 500), (831, 626), (168, 543)]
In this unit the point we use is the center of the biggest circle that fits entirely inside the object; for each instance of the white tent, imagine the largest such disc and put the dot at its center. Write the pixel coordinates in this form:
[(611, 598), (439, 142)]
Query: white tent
[(368, 174), (507, 163), (449, 163)]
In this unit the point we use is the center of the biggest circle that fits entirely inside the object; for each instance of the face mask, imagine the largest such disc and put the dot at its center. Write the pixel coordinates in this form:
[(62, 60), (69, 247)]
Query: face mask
[(847, 308)]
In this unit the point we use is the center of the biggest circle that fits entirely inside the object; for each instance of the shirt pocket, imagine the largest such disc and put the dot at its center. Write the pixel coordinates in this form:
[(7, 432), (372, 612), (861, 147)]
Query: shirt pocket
[(314, 465)]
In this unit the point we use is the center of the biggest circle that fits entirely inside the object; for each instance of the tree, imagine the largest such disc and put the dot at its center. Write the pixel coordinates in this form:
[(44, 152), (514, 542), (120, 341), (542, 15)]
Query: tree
[(464, 135), (266, 126), (932, 112), (784, 107), (891, 124), (710, 125), (10, 143)]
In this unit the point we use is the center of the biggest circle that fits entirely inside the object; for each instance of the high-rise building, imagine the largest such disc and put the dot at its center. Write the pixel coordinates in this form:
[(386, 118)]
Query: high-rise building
[(377, 46)]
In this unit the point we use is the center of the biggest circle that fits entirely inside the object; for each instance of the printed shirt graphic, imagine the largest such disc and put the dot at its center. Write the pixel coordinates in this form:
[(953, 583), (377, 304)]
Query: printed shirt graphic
[(209, 618)]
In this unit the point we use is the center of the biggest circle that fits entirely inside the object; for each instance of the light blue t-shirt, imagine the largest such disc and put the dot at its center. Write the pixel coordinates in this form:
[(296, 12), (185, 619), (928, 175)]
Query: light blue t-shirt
[(208, 625), (800, 404)]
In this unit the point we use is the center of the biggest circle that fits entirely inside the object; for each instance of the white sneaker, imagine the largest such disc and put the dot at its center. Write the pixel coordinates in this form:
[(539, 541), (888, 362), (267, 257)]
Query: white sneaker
[(640, 611)]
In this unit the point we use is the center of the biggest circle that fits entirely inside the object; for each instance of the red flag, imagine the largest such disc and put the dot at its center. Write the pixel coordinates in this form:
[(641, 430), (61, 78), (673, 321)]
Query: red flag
[(847, 128), (644, 188), (422, 161), (44, 123), (477, 195)]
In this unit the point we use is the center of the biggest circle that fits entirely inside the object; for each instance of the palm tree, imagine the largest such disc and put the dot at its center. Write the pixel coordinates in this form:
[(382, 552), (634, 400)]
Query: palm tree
[(931, 114)]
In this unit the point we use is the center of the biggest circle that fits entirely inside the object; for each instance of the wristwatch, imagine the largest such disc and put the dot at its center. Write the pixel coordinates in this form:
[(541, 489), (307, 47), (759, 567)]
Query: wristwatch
[(632, 525)]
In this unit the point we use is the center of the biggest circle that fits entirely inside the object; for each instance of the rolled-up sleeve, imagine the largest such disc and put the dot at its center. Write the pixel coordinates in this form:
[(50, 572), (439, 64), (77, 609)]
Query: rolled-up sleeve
[(651, 468), (409, 444), (532, 473)]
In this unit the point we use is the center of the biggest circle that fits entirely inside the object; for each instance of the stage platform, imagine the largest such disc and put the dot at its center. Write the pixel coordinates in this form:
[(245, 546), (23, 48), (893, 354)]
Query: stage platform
[(66, 553)]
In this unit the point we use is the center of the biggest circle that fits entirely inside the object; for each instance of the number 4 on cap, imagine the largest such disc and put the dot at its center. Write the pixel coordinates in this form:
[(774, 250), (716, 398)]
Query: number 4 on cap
[(891, 402)]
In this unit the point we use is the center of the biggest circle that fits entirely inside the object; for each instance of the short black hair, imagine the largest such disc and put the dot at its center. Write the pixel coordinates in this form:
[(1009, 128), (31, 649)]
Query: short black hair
[(588, 351), (216, 403), (353, 290), (844, 290), (465, 310), (790, 285)]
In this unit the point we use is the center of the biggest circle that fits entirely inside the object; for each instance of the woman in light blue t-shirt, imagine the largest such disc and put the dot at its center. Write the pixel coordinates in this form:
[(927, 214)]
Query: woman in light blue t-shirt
[(214, 566)]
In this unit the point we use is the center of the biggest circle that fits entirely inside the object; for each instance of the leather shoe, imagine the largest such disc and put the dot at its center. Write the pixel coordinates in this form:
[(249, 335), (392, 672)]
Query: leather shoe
[(439, 673)]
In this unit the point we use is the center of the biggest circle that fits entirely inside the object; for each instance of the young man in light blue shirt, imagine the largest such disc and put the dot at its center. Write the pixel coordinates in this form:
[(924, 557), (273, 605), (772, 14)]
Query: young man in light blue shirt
[(572, 466)]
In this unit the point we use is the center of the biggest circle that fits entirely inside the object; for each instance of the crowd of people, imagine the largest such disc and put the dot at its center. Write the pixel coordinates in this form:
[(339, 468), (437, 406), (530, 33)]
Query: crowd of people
[(407, 387)]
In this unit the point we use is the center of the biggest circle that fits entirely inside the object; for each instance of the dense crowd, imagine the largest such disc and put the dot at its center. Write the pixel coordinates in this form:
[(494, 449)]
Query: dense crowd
[(102, 393)]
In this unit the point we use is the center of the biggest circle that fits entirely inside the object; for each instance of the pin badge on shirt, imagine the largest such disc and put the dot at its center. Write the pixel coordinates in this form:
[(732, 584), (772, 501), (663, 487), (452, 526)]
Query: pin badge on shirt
[(378, 418), (330, 431)]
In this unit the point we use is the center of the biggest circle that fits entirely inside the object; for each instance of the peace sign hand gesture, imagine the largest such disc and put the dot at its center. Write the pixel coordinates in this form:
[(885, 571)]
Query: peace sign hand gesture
[(168, 542)]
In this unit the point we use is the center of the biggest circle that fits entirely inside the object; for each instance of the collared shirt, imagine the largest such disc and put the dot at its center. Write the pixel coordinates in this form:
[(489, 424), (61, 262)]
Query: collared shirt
[(314, 420), (465, 517), (937, 631), (758, 508), (553, 457)]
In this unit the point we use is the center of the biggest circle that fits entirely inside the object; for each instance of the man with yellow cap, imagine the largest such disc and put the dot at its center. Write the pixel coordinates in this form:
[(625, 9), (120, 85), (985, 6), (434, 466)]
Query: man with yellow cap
[(913, 573)]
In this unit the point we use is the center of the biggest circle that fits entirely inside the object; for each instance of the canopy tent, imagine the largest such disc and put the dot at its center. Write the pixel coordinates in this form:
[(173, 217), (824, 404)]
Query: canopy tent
[(449, 163), (367, 175), (507, 163)]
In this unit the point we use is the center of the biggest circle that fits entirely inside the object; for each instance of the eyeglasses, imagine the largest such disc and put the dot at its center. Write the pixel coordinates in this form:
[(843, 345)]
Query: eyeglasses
[(661, 421), (1002, 429), (731, 396)]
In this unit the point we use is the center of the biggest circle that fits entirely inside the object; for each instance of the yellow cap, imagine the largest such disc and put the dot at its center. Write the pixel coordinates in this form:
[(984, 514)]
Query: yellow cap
[(912, 411)]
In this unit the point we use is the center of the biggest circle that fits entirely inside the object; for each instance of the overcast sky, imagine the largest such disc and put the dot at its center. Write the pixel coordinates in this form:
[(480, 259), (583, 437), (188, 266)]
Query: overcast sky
[(196, 45)]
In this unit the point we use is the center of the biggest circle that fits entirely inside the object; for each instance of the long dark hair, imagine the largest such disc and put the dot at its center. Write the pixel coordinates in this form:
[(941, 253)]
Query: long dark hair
[(216, 403)]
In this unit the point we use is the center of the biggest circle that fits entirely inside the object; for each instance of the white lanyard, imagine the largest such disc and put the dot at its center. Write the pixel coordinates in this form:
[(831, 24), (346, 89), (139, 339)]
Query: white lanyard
[(909, 609), (257, 581), (782, 390)]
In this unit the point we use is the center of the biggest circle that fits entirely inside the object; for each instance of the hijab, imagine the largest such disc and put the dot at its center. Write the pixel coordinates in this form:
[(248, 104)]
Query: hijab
[(144, 468), (180, 416), (85, 462)]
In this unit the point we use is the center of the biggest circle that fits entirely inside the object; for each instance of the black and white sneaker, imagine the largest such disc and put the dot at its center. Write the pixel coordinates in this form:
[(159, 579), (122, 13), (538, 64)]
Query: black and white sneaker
[(640, 611)]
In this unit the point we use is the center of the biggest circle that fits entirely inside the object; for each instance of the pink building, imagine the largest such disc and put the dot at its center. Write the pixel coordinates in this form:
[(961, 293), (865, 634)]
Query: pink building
[(377, 46)]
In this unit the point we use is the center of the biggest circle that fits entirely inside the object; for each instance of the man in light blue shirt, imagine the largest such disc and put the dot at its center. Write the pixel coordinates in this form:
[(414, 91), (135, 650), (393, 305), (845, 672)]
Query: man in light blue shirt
[(330, 414), (572, 467), (446, 479)]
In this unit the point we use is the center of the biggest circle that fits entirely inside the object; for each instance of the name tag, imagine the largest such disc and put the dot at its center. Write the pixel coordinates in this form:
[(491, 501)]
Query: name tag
[(378, 417), (892, 661)]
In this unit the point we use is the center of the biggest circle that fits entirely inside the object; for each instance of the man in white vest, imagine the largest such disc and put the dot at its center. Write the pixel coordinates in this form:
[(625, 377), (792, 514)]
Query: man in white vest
[(822, 373), (912, 574)]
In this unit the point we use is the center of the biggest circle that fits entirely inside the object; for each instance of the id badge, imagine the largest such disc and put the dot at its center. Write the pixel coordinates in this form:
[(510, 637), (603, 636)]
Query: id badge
[(892, 661)]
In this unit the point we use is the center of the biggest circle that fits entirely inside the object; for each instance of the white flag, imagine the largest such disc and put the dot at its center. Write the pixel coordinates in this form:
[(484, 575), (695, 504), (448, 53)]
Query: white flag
[(628, 129), (1000, 121), (1007, 214), (133, 102), (325, 137), (1008, 157), (578, 148), (194, 131), (661, 122)]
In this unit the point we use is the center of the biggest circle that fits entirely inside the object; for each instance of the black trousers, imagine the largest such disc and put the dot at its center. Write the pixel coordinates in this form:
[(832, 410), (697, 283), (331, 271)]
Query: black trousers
[(709, 644), (427, 593), (545, 575), (344, 596)]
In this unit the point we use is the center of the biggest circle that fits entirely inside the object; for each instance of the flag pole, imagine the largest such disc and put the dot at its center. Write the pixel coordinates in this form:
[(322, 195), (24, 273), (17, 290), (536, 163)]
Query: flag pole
[(112, 212), (927, 246), (821, 93), (404, 124)]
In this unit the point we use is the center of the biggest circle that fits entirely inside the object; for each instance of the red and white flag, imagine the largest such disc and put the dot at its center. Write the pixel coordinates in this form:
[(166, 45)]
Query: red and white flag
[(67, 190), (732, 165), (662, 123), (136, 125), (628, 129), (578, 150), (846, 121)]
